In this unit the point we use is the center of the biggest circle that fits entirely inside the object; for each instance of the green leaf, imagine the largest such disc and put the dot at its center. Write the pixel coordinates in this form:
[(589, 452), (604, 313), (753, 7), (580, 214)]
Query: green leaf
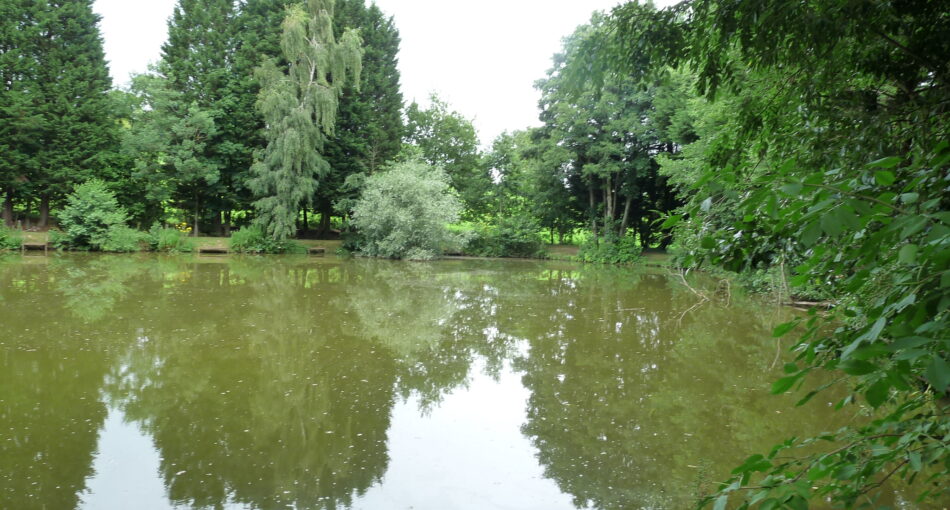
[(784, 328), (914, 459), (938, 373), (792, 189), (672, 221), (884, 177), (888, 162), (708, 243), (811, 233), (914, 225), (877, 393), (782, 385), (909, 198), (846, 216), (908, 254), (857, 367), (831, 225)]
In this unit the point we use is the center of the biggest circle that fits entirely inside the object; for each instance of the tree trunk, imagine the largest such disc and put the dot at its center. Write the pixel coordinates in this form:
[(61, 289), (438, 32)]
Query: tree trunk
[(593, 209), (194, 231), (645, 233), (324, 227), (44, 212), (8, 208), (217, 224), (227, 223), (306, 222), (625, 222)]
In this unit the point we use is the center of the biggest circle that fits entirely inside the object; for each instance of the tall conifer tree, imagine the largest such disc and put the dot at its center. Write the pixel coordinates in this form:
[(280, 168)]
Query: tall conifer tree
[(198, 63), (20, 121), (299, 106), (71, 96), (369, 128)]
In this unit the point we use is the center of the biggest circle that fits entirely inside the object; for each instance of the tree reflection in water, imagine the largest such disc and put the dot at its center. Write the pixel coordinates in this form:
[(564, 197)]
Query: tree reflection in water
[(270, 382)]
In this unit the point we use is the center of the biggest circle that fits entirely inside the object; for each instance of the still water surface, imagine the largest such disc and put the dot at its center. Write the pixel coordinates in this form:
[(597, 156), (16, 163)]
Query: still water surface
[(294, 382)]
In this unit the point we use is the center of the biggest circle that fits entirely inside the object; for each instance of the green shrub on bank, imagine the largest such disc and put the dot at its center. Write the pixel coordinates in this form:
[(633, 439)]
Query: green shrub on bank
[(93, 220), (10, 239), (515, 236), (404, 213), (124, 239), (251, 239), (169, 240), (610, 249)]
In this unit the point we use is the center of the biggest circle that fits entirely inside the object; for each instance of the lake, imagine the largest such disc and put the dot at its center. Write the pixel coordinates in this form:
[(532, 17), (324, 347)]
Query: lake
[(154, 382)]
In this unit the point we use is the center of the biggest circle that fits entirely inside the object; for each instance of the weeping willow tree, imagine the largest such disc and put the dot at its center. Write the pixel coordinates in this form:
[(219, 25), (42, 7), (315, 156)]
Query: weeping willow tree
[(299, 105)]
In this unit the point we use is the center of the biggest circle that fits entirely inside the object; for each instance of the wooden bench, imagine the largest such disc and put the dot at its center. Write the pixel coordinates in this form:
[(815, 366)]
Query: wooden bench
[(316, 250)]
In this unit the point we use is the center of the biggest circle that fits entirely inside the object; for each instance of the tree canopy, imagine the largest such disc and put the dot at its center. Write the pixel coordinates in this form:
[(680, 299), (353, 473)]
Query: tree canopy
[(299, 106)]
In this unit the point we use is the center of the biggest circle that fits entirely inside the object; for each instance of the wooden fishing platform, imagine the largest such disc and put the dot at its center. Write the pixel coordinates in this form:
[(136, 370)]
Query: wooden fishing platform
[(44, 247), (212, 250), (316, 250)]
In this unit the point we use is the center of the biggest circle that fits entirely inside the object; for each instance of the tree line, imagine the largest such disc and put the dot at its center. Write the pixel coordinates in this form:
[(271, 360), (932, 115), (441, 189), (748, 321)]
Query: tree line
[(185, 135), (213, 136)]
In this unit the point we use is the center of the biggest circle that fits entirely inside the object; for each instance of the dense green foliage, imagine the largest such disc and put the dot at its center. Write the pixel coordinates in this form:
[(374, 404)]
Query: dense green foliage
[(404, 213), (93, 220), (198, 64), (55, 114), (509, 236), (299, 106), (167, 141), (167, 239), (10, 239), (447, 139), (610, 249), (369, 127), (253, 239), (614, 134), (821, 149)]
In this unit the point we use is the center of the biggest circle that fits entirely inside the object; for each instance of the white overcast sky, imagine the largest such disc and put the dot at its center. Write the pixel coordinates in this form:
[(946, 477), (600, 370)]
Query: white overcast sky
[(481, 56)]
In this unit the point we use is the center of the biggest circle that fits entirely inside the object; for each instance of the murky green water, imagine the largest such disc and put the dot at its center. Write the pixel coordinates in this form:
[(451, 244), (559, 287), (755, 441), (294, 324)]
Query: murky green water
[(152, 383)]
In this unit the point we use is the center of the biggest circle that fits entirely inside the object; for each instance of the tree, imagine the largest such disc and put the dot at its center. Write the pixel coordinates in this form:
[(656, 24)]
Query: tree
[(532, 171), (838, 160), (614, 133), (198, 62), (447, 139), (71, 96), (20, 120), (299, 108), (405, 211), (369, 126), (168, 142)]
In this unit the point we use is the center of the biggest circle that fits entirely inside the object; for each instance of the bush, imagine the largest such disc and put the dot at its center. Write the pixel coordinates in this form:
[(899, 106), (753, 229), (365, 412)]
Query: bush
[(251, 239), (515, 236), (125, 239), (610, 249), (170, 240), (404, 213), (93, 220), (10, 239)]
